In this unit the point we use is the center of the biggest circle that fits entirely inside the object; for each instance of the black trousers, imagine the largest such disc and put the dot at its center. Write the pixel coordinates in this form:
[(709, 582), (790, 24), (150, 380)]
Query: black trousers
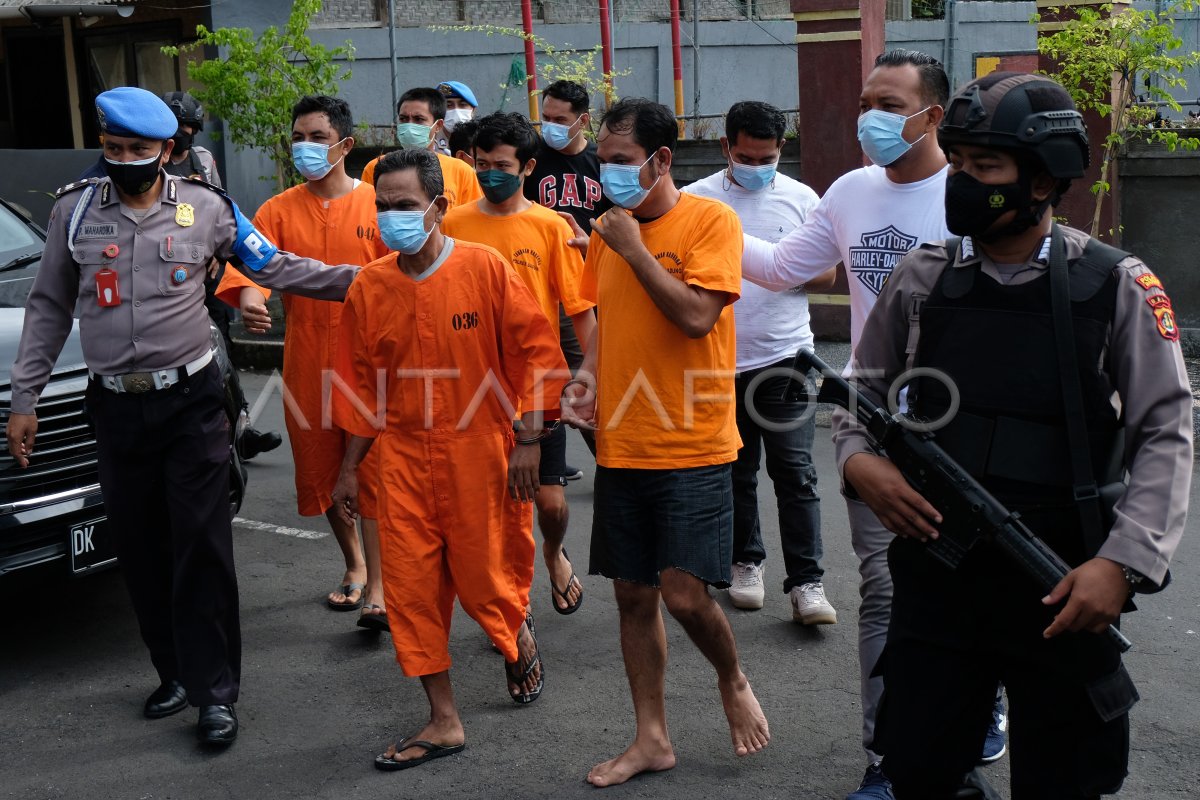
[(164, 473), (954, 635)]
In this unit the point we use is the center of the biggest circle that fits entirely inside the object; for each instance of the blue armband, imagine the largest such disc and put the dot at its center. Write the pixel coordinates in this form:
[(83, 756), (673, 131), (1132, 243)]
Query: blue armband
[(251, 247)]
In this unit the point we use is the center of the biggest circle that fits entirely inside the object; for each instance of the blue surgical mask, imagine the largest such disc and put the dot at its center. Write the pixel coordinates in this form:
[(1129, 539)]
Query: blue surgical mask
[(752, 179), (413, 136), (881, 134), (558, 136), (622, 184), (312, 159), (404, 231)]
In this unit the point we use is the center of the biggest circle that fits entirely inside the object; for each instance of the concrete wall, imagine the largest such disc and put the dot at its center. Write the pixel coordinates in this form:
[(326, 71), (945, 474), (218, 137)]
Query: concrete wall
[(1159, 195), (738, 61), (978, 28), (995, 28)]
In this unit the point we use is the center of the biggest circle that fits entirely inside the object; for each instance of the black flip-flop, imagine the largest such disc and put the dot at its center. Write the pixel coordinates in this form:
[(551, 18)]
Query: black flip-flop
[(432, 751), (374, 622), (525, 698), (563, 593), (346, 589)]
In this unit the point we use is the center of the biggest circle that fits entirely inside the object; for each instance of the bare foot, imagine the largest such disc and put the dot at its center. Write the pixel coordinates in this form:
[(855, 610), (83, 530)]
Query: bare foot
[(526, 650), (448, 734), (747, 723), (640, 757), (357, 577), (562, 577)]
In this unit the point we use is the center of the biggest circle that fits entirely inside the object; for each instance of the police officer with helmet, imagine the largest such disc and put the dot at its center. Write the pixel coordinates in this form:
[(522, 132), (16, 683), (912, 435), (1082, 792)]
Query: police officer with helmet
[(189, 160), (128, 254), (1059, 383)]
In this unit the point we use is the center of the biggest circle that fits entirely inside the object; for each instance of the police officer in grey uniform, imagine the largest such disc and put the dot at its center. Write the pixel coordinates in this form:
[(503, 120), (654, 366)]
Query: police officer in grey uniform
[(1061, 387), (127, 255)]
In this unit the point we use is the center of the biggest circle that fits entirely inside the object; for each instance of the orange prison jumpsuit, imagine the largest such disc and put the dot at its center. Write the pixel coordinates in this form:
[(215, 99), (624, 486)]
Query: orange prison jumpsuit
[(468, 331), (534, 242), (459, 184), (341, 231)]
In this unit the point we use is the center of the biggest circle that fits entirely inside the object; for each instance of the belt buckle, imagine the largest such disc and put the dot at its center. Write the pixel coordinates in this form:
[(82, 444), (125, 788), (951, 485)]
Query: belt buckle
[(137, 382)]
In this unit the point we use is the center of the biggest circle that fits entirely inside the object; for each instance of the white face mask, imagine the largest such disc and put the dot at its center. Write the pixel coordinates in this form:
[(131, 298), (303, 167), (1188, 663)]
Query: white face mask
[(457, 115)]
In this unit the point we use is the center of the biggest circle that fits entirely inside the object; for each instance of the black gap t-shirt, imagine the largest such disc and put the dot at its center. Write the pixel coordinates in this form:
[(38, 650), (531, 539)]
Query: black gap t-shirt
[(568, 183)]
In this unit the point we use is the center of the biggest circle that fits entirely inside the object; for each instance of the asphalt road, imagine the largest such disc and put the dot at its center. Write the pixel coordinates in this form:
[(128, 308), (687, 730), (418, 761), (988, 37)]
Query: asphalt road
[(320, 697)]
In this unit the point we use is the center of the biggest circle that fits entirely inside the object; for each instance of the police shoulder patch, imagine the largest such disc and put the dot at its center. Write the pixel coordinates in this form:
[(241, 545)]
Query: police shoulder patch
[(1164, 314), (71, 187), (1148, 281)]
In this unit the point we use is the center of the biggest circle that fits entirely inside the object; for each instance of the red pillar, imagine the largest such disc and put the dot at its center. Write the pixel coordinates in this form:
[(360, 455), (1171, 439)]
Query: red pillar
[(606, 53), (1079, 204), (677, 66), (837, 43), (530, 58)]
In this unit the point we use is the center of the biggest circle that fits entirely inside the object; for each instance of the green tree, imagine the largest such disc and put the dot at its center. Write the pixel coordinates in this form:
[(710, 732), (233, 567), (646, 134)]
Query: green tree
[(1101, 53), (259, 77)]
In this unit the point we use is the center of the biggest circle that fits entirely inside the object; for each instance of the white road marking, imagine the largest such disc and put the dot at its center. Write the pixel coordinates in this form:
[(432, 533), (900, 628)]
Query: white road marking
[(299, 533)]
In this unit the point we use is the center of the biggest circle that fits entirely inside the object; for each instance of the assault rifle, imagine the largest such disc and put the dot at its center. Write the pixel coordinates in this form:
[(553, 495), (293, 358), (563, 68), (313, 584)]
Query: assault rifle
[(977, 516)]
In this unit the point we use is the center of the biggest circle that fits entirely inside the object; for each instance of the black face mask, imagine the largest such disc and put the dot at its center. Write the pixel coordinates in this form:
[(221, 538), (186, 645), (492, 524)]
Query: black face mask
[(183, 142), (973, 207), (133, 177)]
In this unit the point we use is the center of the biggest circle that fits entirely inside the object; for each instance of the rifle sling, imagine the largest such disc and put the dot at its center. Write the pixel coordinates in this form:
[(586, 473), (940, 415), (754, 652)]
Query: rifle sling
[(1083, 481)]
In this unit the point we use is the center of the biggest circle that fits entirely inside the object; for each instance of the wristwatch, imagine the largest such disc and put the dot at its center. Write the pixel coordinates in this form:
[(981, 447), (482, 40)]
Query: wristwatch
[(1132, 577)]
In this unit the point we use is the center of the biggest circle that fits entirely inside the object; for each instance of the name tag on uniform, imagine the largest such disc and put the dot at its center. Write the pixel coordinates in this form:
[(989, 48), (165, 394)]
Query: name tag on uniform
[(108, 294), (97, 230)]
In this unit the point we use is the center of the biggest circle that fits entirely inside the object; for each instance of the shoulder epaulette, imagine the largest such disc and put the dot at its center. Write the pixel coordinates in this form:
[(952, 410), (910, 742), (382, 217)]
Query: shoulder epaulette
[(202, 182), (71, 187)]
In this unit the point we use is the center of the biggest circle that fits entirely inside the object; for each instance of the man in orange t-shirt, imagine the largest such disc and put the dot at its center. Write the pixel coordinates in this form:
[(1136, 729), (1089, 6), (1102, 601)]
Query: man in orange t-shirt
[(331, 217), (422, 118), (461, 344), (534, 240), (657, 385)]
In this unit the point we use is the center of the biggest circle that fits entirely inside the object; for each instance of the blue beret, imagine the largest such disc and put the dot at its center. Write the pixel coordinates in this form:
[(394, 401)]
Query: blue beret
[(458, 89), (130, 111)]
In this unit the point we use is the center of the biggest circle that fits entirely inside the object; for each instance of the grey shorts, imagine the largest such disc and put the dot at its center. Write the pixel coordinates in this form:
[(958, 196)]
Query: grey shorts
[(647, 520)]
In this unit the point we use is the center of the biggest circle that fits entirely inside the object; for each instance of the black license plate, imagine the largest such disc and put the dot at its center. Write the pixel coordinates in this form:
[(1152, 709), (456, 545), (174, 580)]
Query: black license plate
[(90, 546)]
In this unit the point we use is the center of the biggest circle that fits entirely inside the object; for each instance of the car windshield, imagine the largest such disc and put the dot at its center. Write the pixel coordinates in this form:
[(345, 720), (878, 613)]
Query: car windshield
[(20, 251)]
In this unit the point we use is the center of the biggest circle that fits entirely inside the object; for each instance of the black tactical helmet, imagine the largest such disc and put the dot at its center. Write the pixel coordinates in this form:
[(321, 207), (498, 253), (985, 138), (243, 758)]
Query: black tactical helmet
[(185, 108), (1023, 112)]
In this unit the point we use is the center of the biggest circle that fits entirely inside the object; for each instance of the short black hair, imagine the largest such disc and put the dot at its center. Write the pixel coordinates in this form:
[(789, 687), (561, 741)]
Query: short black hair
[(502, 127), (337, 109), (756, 119), (570, 92), (429, 171), (935, 86), (653, 124), (435, 100), (463, 137)]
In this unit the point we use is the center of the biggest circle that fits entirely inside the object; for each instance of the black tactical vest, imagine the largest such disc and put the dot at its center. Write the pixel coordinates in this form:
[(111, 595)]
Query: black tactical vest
[(189, 167), (996, 345)]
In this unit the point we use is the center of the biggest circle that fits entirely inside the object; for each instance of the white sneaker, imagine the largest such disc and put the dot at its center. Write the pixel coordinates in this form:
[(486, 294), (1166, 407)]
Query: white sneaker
[(747, 590), (809, 606)]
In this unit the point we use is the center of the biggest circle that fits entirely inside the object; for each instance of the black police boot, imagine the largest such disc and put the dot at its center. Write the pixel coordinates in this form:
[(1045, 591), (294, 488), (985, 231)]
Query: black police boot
[(254, 441), (169, 698), (217, 725)]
